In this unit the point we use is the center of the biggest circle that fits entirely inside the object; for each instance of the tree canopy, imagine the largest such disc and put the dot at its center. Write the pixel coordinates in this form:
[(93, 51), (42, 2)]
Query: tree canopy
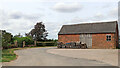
[(39, 32)]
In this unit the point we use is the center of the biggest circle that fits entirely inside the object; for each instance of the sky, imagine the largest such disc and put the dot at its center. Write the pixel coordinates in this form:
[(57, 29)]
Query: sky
[(20, 16)]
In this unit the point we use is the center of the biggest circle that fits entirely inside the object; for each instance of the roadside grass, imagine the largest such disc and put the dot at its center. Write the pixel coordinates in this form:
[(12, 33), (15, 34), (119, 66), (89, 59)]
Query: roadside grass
[(9, 55)]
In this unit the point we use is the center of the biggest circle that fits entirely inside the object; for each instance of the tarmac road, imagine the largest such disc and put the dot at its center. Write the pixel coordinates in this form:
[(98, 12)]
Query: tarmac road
[(40, 57)]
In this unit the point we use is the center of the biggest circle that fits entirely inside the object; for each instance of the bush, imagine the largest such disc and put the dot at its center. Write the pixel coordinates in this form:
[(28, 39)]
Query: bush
[(28, 41)]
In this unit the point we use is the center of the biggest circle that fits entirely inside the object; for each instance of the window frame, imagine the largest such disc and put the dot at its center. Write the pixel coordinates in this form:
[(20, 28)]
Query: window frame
[(108, 37)]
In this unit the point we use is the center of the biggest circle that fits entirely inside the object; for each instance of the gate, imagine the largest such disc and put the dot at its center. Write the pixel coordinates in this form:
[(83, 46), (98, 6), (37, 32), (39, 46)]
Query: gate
[(86, 38)]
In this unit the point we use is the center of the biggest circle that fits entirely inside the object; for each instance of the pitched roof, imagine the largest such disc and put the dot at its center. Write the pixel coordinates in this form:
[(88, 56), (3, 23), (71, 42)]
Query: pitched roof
[(100, 27)]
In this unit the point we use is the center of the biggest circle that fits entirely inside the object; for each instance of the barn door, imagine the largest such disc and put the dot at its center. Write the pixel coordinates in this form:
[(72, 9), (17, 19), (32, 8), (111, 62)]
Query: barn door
[(86, 38)]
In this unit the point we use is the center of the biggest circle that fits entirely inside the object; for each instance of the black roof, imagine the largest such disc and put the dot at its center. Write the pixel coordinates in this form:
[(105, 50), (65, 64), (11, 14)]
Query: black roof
[(99, 27)]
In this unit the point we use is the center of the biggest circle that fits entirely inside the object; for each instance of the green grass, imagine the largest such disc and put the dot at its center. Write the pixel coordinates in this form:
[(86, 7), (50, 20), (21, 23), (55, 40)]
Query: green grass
[(8, 55)]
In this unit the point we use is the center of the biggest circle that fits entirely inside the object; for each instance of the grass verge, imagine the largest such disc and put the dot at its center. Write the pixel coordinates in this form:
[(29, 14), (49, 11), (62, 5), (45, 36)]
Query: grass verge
[(8, 55)]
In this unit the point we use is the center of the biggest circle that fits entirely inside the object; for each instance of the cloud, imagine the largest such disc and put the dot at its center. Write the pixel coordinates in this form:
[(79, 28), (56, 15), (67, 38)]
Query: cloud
[(113, 12), (67, 8), (96, 17), (53, 28), (20, 15), (18, 22), (105, 6), (15, 15), (111, 15)]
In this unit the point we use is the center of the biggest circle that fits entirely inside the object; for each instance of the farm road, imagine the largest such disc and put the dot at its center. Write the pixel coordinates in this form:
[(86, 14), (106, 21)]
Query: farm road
[(40, 57)]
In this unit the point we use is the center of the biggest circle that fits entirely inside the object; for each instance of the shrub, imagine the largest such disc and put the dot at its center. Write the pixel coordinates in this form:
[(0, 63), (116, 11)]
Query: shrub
[(28, 41)]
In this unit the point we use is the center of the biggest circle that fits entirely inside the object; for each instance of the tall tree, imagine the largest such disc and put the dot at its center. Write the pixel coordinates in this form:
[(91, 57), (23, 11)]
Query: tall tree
[(39, 32)]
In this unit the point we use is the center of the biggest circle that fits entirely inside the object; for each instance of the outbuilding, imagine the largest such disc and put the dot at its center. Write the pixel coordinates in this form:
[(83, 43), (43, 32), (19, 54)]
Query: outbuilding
[(95, 35)]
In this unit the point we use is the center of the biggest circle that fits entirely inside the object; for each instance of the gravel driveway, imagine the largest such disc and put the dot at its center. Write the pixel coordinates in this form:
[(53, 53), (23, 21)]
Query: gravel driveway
[(109, 56), (39, 57)]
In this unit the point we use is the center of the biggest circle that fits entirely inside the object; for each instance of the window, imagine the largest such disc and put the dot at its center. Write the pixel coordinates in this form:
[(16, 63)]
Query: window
[(108, 37)]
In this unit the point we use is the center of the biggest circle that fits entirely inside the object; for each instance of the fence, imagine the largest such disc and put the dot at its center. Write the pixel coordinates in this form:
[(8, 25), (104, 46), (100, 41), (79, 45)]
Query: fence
[(46, 43)]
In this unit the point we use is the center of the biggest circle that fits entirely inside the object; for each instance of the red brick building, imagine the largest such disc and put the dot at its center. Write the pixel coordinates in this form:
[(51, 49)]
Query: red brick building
[(95, 35)]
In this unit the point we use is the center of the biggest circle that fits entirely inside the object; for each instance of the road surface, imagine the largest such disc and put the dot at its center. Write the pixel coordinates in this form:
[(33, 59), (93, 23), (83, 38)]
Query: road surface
[(40, 57)]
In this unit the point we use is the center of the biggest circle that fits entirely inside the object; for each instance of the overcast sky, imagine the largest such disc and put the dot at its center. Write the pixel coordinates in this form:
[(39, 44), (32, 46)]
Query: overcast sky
[(20, 16)]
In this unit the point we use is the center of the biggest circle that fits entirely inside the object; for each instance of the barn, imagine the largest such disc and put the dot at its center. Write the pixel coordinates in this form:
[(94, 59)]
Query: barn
[(99, 35)]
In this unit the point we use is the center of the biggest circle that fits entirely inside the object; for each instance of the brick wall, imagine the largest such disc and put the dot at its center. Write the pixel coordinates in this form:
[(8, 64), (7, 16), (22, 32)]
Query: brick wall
[(99, 41), (68, 38)]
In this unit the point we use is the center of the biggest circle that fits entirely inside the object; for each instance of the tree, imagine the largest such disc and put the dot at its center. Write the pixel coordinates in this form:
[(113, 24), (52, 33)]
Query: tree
[(6, 39), (19, 35), (39, 32)]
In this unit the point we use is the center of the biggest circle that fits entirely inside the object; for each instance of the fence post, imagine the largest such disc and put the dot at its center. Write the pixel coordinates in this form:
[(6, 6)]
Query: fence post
[(23, 43), (35, 43), (44, 44), (16, 43)]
